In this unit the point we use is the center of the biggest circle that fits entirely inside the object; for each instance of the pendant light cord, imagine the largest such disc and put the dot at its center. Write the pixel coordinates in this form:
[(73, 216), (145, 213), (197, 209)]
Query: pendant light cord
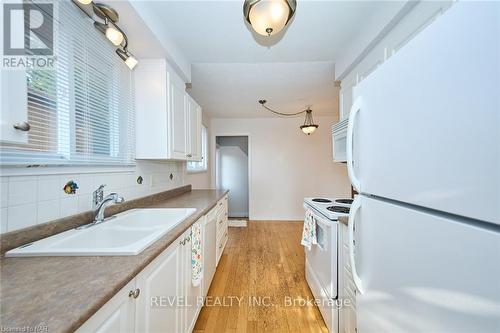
[(263, 102)]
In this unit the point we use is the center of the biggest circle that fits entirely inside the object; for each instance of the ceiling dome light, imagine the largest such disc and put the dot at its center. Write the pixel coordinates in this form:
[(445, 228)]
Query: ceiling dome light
[(114, 35), (85, 2), (268, 17)]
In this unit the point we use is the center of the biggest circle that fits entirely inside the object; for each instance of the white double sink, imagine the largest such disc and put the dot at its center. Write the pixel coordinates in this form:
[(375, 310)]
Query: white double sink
[(128, 233)]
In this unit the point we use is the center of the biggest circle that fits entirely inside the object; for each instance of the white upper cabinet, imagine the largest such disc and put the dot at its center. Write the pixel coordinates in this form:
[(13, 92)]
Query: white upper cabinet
[(168, 120), (421, 15), (13, 106), (193, 129), (178, 121)]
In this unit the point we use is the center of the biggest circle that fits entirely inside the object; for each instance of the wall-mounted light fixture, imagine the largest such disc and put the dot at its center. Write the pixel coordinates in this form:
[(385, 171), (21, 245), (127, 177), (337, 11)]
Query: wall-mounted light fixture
[(307, 128), (128, 57), (268, 17), (111, 30)]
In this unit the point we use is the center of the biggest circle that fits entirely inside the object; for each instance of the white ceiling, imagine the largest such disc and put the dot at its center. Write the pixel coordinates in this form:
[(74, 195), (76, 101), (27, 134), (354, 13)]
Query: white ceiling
[(233, 90), (232, 67)]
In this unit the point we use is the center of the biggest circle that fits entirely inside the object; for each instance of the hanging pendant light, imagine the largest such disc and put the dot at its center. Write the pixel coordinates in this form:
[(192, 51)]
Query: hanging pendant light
[(268, 17), (307, 128)]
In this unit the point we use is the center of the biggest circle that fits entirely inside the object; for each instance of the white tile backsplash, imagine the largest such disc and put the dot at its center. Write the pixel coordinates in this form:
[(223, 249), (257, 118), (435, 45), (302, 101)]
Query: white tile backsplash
[(3, 220), (49, 187), (48, 210), (69, 205), (30, 200), (4, 192), (21, 216), (22, 191)]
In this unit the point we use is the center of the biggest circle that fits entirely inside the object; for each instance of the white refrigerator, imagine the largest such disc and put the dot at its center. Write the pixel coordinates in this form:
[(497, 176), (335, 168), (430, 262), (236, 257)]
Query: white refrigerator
[(423, 151)]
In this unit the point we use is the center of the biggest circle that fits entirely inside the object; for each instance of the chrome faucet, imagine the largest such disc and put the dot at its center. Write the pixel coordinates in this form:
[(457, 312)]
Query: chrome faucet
[(101, 203), (99, 210)]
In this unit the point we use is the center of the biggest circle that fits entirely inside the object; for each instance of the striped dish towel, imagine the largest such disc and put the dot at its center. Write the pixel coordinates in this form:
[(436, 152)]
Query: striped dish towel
[(196, 255), (309, 231)]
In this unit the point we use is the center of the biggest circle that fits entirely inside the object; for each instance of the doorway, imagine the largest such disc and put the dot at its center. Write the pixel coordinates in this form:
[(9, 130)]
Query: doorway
[(231, 153)]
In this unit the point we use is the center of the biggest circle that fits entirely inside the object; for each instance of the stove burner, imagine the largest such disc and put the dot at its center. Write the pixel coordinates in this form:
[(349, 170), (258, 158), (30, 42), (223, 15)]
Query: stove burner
[(344, 201), (321, 200), (338, 209)]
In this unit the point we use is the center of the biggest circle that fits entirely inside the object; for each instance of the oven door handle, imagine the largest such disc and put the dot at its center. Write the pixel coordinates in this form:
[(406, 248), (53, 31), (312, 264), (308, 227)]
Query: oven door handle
[(352, 216), (325, 226)]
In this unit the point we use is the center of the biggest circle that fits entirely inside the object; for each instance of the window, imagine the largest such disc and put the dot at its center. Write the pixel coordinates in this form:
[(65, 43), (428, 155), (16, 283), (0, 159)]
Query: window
[(81, 112), (201, 165)]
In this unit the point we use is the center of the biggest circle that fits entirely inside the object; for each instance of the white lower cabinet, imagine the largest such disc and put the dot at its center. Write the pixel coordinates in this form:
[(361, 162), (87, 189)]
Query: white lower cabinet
[(160, 284), (117, 315), (162, 298), (209, 246)]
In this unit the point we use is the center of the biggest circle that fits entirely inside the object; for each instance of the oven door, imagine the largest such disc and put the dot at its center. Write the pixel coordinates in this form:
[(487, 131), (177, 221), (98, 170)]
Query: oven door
[(322, 258)]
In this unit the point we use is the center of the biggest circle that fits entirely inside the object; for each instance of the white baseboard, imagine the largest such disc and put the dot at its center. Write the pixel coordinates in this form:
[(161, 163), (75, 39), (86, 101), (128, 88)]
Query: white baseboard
[(237, 223)]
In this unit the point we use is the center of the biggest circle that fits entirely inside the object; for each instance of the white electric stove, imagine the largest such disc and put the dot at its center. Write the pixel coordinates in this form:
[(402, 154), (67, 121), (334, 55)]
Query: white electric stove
[(322, 259)]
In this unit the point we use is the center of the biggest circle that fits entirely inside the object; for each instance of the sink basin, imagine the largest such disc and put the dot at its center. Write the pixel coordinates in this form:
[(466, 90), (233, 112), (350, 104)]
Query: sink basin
[(128, 233)]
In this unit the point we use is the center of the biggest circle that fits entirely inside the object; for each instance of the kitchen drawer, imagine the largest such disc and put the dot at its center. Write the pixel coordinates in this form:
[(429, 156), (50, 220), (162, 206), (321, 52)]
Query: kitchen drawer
[(213, 213), (221, 222), (221, 244), (222, 230)]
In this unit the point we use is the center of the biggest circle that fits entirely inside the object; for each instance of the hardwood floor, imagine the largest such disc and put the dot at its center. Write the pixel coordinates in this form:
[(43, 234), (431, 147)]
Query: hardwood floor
[(260, 272)]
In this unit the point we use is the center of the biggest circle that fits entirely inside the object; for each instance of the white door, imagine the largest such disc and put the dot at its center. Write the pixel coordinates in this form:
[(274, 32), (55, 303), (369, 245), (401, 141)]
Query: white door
[(178, 123), (421, 272), (426, 123), (159, 305), (116, 316)]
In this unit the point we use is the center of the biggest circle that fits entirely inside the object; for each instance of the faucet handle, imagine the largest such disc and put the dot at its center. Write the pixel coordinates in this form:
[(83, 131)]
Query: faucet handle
[(98, 195)]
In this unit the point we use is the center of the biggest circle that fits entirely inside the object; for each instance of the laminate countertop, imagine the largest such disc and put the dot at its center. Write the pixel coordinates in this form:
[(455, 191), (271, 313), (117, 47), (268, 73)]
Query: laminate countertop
[(58, 294)]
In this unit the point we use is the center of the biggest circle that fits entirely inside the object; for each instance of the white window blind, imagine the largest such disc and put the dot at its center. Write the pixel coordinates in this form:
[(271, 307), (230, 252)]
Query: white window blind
[(200, 166), (82, 111)]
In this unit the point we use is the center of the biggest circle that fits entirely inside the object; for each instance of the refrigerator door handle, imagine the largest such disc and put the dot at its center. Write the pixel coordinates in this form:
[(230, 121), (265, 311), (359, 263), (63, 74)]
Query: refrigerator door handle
[(356, 107), (352, 216)]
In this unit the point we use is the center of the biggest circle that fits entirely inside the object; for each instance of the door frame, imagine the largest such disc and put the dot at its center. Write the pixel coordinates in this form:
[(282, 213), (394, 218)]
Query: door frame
[(213, 143)]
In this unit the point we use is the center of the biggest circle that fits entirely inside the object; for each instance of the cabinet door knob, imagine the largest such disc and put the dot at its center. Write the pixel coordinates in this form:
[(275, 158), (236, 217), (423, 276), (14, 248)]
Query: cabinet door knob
[(189, 155), (22, 126), (134, 293)]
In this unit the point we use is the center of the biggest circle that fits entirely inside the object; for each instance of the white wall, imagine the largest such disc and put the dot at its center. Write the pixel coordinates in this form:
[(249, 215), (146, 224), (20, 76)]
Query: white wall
[(285, 164), (232, 174), (27, 200)]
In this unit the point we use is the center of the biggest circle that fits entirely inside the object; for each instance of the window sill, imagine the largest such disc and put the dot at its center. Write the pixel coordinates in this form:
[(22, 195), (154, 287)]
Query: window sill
[(196, 171), (61, 170)]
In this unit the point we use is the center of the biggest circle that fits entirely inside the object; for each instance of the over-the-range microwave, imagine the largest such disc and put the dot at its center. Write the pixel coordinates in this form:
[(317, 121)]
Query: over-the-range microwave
[(339, 137)]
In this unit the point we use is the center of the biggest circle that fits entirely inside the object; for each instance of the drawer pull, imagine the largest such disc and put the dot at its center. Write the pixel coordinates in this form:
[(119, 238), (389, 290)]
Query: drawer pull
[(134, 293)]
